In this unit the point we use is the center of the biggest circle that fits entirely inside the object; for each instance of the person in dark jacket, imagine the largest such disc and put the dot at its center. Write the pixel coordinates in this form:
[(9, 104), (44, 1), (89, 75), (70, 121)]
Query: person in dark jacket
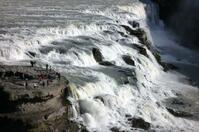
[(46, 67), (32, 63)]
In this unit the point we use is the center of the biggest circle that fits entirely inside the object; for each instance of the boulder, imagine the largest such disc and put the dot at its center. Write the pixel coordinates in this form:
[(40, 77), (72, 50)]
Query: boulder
[(115, 129), (140, 34), (178, 113), (180, 106), (139, 123), (134, 24), (141, 50), (31, 54), (168, 66), (13, 125), (97, 55), (128, 60), (106, 63)]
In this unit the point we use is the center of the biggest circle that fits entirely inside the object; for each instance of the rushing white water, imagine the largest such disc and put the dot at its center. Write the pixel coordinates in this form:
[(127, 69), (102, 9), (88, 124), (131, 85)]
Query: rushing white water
[(63, 34)]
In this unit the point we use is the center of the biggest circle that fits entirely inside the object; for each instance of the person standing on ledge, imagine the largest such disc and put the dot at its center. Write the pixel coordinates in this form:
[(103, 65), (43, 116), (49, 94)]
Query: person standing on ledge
[(43, 84), (58, 75), (26, 83), (50, 68), (46, 67), (32, 63)]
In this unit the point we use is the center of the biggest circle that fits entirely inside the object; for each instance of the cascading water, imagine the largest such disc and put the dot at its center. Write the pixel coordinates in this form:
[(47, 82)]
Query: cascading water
[(106, 93)]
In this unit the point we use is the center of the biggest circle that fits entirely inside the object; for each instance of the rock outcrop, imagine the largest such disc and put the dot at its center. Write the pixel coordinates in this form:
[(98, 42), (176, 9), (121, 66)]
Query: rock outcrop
[(97, 55), (142, 36), (182, 107), (32, 99), (128, 60), (139, 123), (99, 58)]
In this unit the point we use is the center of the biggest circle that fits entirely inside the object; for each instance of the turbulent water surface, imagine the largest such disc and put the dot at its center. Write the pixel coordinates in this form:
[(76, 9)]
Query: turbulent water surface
[(63, 33)]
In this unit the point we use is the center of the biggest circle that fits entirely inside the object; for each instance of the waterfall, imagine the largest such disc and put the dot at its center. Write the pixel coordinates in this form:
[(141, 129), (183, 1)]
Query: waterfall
[(106, 51)]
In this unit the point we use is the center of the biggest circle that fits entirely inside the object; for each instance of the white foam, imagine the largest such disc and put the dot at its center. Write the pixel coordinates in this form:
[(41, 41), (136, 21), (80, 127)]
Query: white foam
[(100, 98)]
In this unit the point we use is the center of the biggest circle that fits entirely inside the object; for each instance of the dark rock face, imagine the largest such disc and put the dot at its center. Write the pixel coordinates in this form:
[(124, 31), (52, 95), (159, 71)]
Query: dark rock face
[(167, 8), (141, 50), (134, 24), (127, 59), (139, 123), (168, 66), (179, 113), (31, 54), (180, 106), (182, 17), (106, 63), (115, 129), (9, 125), (140, 34), (19, 109), (5, 103), (97, 55), (99, 58)]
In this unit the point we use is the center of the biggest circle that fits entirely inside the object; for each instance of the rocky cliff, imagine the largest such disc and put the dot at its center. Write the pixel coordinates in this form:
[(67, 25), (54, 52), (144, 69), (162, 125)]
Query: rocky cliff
[(182, 17), (33, 99)]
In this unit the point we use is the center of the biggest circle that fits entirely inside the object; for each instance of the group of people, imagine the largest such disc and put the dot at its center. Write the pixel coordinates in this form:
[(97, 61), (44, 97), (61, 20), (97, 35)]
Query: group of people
[(44, 79)]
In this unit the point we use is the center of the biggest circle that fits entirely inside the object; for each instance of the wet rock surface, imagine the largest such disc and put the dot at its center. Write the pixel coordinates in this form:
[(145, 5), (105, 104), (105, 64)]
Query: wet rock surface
[(106, 63), (128, 60), (97, 55), (182, 107), (99, 58), (140, 34), (139, 123), (146, 44), (179, 113), (134, 24), (115, 129)]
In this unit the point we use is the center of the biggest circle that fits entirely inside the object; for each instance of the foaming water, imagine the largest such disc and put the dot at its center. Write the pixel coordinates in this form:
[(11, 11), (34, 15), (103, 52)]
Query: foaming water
[(65, 35)]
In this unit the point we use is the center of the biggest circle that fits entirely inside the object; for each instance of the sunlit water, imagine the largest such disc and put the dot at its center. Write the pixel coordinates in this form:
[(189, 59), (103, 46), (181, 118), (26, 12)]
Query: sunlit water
[(63, 33)]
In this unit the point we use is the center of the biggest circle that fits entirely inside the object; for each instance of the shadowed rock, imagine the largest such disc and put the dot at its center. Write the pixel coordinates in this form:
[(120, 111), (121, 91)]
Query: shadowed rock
[(115, 129), (97, 55), (127, 59), (13, 125), (134, 24), (106, 63), (99, 58), (140, 34), (5, 103), (179, 113), (139, 123), (180, 106), (31, 54), (168, 66), (182, 17), (141, 50)]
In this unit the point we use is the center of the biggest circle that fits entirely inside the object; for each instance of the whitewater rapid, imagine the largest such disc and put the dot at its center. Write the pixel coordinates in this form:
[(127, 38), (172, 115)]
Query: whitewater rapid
[(64, 33)]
